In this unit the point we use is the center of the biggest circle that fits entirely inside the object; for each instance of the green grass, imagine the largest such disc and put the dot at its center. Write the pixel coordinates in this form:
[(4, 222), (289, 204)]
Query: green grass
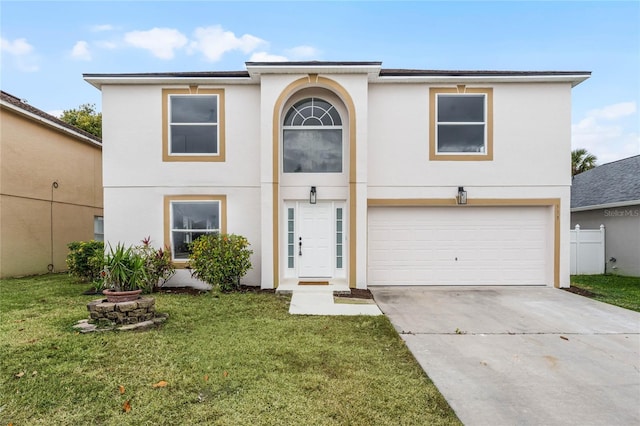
[(234, 359), (612, 289)]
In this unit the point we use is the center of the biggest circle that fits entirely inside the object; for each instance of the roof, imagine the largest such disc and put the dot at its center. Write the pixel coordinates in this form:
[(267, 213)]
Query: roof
[(18, 105), (373, 68), (613, 184)]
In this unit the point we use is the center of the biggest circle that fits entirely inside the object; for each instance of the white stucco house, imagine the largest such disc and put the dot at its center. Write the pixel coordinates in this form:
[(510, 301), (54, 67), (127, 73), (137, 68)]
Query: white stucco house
[(346, 172)]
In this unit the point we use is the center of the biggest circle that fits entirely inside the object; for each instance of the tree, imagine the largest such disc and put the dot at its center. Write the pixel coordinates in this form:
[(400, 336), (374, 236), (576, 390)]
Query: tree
[(84, 117), (581, 161)]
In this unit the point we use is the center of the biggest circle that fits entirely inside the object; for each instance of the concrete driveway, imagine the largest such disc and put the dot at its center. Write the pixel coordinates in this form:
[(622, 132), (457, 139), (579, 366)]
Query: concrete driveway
[(522, 355)]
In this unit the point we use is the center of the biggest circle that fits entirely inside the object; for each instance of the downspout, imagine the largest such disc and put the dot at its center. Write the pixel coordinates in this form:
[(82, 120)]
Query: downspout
[(54, 185)]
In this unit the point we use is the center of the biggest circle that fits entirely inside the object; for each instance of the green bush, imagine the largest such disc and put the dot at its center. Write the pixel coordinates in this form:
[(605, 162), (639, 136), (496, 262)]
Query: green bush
[(85, 260), (139, 267), (157, 264), (220, 260)]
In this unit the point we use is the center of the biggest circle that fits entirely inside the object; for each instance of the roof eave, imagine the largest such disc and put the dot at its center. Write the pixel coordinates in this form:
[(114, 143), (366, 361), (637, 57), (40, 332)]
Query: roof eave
[(99, 80), (51, 124), (574, 79), (626, 203)]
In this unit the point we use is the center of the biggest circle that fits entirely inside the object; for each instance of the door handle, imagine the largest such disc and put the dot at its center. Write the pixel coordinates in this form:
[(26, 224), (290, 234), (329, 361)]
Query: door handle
[(300, 246)]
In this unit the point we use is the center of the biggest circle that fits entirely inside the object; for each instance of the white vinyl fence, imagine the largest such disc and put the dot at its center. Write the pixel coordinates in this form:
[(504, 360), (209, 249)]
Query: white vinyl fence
[(587, 251)]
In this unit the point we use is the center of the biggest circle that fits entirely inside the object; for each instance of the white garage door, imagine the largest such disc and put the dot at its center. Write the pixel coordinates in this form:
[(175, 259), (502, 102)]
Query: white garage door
[(460, 246)]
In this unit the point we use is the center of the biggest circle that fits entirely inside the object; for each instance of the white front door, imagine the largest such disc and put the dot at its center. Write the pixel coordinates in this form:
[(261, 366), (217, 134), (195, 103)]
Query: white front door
[(315, 240)]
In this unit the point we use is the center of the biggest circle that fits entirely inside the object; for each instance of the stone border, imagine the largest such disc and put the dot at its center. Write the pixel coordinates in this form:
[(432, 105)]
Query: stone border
[(139, 314)]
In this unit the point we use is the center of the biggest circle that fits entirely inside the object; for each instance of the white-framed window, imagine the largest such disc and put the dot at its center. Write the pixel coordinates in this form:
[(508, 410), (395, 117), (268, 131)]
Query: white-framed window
[(461, 124), (193, 124), (291, 225), (312, 138), (339, 238), (98, 228), (189, 217)]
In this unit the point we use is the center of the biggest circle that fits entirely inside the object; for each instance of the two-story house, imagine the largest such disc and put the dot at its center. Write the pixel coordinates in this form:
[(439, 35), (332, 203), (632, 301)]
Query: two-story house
[(346, 172)]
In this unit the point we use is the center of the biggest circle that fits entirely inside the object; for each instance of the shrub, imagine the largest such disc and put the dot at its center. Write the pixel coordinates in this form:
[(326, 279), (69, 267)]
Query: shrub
[(157, 264), (220, 260), (124, 269), (85, 260), (139, 267)]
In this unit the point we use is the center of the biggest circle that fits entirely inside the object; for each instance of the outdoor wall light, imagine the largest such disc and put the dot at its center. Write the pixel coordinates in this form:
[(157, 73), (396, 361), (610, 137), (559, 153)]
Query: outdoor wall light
[(462, 195), (313, 195)]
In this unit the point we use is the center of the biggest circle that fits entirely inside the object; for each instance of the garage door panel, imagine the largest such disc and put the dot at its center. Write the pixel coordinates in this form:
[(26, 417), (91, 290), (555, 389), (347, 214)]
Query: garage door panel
[(458, 246)]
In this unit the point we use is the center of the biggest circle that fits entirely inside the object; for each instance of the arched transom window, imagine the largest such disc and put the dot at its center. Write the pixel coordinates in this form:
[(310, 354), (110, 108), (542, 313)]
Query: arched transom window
[(312, 138)]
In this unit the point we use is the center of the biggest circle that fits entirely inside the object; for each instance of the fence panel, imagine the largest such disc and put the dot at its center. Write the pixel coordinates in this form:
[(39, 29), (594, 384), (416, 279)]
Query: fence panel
[(587, 251)]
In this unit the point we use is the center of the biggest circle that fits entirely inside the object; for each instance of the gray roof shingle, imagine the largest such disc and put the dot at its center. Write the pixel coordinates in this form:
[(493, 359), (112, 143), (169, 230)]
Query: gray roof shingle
[(610, 183)]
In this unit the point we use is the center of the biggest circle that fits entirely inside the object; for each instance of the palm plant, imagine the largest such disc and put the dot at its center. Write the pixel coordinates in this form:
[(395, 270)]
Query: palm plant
[(581, 161)]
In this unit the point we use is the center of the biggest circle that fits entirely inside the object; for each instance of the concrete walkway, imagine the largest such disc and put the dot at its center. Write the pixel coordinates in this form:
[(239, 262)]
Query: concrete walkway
[(319, 300), (522, 355)]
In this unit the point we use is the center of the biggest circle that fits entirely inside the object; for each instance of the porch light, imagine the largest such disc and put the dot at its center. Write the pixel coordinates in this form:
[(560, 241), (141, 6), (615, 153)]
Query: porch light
[(313, 195), (462, 195)]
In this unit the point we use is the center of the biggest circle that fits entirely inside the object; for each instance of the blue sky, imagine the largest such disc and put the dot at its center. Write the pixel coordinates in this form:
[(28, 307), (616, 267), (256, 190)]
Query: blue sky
[(47, 46)]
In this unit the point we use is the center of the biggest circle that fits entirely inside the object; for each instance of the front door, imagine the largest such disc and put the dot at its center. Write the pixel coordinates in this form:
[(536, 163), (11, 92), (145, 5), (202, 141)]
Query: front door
[(315, 240)]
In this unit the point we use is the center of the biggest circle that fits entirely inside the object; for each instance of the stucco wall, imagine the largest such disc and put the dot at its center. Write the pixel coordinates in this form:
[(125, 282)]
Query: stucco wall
[(136, 179), (531, 151), (622, 236), (37, 221)]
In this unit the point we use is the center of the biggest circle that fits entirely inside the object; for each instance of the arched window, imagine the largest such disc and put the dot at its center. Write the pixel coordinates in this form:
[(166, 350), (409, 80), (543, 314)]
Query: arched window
[(312, 138)]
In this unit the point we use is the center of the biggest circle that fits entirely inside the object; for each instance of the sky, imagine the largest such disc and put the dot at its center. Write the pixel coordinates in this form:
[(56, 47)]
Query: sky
[(47, 46)]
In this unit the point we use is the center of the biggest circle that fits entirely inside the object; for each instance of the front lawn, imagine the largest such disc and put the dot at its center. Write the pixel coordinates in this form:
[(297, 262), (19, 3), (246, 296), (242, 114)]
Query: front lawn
[(613, 289), (234, 359)]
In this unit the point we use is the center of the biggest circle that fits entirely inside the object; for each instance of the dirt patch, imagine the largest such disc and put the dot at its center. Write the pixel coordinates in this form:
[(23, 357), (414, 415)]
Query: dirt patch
[(357, 293), (195, 291), (580, 291)]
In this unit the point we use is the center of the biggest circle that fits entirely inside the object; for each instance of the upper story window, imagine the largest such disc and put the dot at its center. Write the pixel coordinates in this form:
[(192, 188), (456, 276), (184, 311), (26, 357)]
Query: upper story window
[(461, 124), (193, 128), (312, 138)]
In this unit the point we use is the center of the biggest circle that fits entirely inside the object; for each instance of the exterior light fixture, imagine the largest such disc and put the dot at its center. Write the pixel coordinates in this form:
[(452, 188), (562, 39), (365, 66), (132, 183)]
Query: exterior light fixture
[(313, 195), (462, 195)]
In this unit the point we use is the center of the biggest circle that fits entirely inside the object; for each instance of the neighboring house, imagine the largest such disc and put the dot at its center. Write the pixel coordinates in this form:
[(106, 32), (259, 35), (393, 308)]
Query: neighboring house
[(609, 195), (347, 172), (50, 188)]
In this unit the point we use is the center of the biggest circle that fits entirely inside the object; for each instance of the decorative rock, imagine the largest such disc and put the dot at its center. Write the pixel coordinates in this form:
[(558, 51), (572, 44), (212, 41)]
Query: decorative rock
[(146, 302), (126, 306), (105, 307), (128, 315)]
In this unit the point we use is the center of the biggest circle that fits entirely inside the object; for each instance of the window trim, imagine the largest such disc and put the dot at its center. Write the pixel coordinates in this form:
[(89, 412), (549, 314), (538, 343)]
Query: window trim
[(461, 89), (166, 123), (168, 199)]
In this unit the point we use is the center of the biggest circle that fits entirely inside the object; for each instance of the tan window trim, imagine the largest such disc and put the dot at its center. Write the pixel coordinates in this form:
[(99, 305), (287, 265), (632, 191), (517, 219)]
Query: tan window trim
[(193, 90), (181, 264), (433, 156)]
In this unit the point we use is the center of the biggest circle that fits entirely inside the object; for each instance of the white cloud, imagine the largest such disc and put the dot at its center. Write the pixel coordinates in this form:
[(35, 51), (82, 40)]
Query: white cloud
[(161, 42), (613, 112), (18, 47), (303, 52), (101, 28), (608, 132), (106, 44), (266, 57), (214, 41), (22, 53), (81, 51), (56, 113)]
